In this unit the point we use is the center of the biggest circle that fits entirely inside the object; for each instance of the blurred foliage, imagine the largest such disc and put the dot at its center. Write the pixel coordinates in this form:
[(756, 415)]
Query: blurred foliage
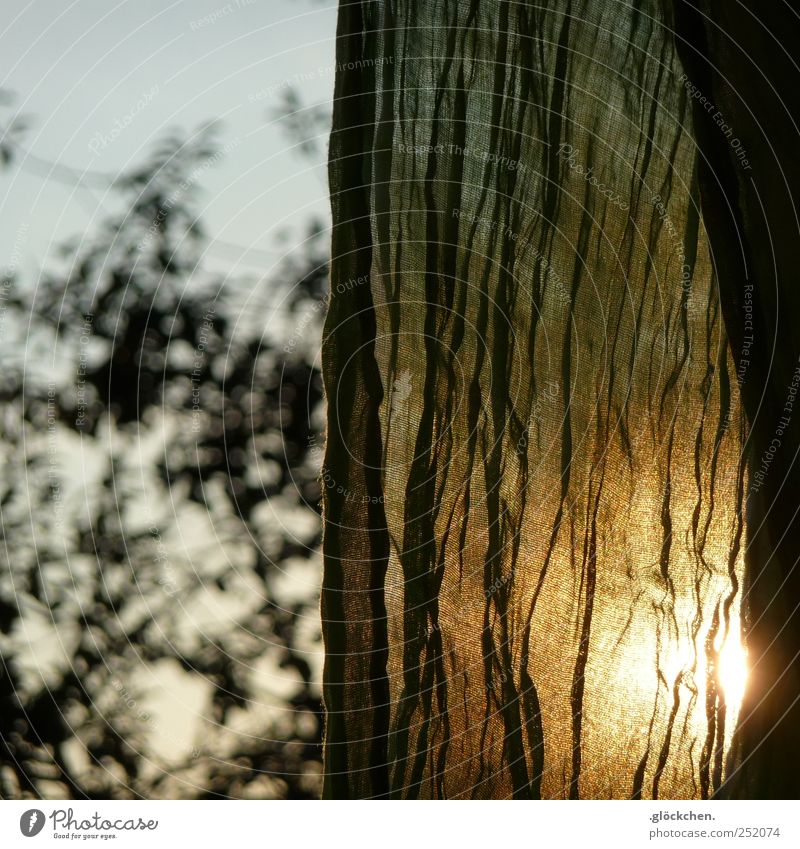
[(307, 127), (159, 509)]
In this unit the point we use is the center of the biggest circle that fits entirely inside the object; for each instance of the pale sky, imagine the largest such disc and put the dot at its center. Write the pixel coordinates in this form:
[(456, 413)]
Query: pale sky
[(102, 81)]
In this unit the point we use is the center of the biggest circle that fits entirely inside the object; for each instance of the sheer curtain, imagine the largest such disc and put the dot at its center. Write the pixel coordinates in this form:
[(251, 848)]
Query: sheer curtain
[(543, 509)]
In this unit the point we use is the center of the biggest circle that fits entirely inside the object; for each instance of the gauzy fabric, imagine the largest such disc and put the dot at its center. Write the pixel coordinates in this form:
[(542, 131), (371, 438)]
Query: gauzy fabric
[(560, 368)]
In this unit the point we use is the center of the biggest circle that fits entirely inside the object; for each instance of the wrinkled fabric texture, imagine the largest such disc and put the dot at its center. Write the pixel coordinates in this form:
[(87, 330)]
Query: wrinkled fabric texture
[(536, 475)]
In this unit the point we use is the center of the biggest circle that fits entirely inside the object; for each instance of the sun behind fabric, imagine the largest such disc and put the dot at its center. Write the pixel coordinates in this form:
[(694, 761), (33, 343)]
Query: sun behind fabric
[(534, 476)]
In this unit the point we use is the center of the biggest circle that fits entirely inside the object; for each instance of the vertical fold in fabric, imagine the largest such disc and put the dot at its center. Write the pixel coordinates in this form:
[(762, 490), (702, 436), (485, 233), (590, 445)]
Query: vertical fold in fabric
[(355, 538)]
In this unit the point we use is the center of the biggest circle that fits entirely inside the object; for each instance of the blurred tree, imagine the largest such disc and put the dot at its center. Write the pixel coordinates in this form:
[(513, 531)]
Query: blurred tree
[(306, 126), (159, 509)]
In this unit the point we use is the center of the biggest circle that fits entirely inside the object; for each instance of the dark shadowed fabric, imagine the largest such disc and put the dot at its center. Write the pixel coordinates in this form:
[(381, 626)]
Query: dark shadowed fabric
[(535, 479), (745, 56)]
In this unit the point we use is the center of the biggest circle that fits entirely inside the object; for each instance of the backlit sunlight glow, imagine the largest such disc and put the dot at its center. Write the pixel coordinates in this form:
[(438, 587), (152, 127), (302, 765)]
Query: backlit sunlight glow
[(733, 671), (731, 674)]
